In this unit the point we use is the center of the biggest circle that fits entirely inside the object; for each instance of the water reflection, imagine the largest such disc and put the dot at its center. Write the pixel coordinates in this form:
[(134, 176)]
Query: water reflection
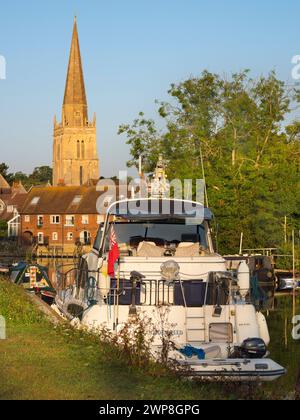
[(52, 266), (284, 349), (64, 266)]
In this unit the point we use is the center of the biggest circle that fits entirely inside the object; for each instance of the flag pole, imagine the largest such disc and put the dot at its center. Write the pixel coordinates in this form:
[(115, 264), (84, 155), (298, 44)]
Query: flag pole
[(118, 292)]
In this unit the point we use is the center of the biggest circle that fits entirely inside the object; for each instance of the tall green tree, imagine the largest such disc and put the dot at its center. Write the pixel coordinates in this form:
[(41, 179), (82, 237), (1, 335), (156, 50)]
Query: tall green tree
[(251, 162), (40, 176)]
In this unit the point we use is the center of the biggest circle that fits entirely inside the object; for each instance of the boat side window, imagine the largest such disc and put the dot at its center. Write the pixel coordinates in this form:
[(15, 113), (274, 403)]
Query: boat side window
[(14, 275)]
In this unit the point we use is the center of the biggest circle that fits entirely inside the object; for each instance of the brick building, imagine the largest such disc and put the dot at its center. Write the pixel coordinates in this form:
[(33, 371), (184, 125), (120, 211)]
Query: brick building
[(60, 218), (12, 199)]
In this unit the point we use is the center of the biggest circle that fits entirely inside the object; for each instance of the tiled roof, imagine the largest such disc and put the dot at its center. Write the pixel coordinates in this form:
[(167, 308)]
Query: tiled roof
[(15, 200), (3, 184), (61, 200), (18, 188)]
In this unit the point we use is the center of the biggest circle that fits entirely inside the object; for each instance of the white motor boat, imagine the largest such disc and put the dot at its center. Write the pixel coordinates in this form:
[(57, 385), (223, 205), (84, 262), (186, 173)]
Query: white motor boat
[(167, 259)]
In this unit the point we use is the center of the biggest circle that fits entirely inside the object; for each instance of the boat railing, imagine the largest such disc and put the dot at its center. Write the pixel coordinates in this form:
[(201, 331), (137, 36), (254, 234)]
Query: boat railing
[(93, 286), (84, 285)]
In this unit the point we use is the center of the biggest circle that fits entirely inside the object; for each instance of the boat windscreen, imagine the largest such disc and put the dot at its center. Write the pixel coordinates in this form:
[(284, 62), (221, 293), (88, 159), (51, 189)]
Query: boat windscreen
[(161, 209), (130, 235)]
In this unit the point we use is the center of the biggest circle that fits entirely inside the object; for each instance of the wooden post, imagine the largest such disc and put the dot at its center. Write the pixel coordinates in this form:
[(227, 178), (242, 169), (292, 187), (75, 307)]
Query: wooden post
[(285, 230), (298, 386), (241, 243), (286, 333), (294, 276)]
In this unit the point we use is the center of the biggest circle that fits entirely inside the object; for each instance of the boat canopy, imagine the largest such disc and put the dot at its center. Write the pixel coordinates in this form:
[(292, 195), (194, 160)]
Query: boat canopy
[(153, 209)]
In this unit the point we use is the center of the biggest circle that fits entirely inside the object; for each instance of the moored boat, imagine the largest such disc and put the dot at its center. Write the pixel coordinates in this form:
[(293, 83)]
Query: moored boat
[(165, 259), (34, 279)]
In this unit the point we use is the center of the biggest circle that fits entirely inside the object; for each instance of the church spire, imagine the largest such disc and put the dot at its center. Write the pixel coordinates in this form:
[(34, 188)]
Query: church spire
[(75, 111), (75, 156)]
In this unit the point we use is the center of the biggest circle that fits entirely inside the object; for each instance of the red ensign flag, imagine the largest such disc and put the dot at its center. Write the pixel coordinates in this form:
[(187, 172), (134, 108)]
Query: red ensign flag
[(114, 252)]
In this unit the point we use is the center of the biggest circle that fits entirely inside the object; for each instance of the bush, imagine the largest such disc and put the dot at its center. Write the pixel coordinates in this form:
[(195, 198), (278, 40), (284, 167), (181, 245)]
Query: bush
[(3, 229)]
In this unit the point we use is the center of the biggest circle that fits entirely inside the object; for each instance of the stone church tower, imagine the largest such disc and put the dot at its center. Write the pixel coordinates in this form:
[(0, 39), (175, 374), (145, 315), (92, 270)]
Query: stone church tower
[(75, 159)]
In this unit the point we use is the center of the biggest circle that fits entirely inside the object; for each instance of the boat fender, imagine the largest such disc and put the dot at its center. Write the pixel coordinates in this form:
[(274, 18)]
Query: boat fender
[(244, 279)]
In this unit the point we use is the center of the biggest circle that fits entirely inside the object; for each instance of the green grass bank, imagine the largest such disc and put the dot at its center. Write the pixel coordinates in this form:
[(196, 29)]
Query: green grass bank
[(40, 361)]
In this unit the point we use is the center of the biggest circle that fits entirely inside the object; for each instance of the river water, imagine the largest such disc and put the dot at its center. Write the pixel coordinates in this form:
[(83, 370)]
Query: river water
[(52, 265)]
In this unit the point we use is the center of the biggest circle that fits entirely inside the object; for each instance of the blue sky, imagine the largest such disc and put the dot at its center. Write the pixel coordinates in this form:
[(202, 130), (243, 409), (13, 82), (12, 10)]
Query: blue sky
[(132, 51)]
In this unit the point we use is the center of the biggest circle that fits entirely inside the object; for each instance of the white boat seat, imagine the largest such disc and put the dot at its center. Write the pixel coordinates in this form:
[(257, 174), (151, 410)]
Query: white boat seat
[(187, 249), (185, 244), (149, 249)]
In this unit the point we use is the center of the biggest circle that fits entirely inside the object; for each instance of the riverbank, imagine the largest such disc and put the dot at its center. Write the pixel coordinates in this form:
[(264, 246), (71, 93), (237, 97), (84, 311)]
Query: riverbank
[(11, 250), (41, 361)]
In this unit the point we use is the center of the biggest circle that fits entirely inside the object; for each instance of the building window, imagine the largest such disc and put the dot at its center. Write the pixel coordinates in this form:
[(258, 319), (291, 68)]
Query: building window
[(78, 149), (100, 219), (70, 236), (54, 236), (85, 220), (77, 199), (82, 150), (58, 152), (70, 220), (40, 221), (55, 220), (27, 219), (35, 201), (85, 238), (81, 175), (40, 238)]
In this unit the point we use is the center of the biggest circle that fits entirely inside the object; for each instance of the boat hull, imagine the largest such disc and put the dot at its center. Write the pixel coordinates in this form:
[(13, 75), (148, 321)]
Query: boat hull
[(235, 370)]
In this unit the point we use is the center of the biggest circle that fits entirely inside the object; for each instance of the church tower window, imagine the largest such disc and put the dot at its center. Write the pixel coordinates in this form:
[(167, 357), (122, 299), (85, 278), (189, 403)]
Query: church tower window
[(81, 175), (82, 150), (78, 149)]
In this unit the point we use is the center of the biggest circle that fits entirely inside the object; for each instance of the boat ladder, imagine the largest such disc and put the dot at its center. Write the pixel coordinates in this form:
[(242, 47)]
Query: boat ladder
[(195, 326)]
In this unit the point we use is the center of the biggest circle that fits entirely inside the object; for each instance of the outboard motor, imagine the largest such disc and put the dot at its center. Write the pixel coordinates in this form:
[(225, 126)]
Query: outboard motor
[(252, 348)]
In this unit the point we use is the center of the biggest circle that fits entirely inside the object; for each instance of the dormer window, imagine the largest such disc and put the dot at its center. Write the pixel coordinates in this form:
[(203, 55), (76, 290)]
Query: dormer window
[(76, 200), (35, 201)]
